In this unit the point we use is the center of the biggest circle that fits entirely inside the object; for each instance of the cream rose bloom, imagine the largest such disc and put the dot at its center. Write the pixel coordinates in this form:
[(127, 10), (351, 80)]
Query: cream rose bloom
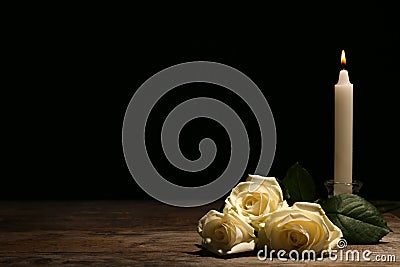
[(225, 233), (304, 226), (255, 199)]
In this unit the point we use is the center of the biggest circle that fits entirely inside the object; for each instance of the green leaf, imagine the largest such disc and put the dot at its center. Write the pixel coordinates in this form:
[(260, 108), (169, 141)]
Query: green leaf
[(360, 221), (299, 184), (285, 192), (385, 205)]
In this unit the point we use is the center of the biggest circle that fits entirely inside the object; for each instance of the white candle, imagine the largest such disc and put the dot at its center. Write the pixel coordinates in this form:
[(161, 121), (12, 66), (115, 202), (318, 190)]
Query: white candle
[(343, 132)]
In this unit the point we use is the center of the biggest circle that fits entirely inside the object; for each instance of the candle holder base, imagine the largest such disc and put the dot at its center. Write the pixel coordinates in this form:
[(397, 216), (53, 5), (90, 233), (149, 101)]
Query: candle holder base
[(336, 188)]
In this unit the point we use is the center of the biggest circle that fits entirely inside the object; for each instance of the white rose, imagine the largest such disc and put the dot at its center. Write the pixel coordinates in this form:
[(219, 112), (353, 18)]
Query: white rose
[(304, 226), (225, 233), (256, 199)]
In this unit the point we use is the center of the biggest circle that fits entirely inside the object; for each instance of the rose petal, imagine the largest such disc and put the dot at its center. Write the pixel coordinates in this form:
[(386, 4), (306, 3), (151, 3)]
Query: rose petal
[(302, 226), (242, 247), (223, 233)]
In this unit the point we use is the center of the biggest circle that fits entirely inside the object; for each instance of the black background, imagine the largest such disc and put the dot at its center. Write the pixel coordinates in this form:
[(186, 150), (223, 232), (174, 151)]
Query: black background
[(74, 73)]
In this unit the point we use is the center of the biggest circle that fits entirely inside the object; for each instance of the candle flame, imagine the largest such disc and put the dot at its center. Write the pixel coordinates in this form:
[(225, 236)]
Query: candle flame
[(343, 59)]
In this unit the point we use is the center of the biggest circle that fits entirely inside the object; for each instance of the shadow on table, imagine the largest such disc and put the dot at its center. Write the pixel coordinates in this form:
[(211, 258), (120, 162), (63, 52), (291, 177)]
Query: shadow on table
[(202, 252)]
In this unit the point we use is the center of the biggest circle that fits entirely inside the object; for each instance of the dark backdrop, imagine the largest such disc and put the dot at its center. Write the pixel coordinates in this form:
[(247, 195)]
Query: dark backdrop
[(76, 72)]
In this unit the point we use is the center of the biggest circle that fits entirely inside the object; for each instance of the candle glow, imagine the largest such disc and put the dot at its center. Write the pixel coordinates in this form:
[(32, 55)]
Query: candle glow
[(343, 59)]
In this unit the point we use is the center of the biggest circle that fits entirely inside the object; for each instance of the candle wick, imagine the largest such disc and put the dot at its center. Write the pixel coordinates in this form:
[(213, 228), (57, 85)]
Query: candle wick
[(343, 66)]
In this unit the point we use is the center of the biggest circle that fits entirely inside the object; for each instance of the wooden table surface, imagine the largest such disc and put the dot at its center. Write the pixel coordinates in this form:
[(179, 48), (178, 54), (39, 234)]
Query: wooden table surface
[(130, 233)]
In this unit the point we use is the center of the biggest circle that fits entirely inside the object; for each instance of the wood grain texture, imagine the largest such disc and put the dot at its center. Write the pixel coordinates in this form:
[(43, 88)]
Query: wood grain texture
[(129, 233)]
